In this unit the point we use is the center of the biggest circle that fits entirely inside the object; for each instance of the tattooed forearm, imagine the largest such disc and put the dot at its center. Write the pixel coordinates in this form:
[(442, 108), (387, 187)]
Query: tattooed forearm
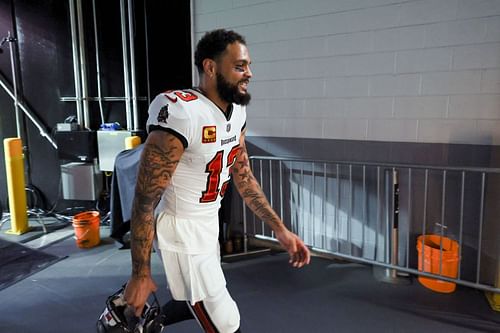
[(251, 192), (259, 204), (158, 162)]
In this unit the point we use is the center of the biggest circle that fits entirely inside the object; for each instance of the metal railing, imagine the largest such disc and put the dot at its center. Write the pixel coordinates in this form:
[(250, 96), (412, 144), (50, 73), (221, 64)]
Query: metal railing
[(373, 213)]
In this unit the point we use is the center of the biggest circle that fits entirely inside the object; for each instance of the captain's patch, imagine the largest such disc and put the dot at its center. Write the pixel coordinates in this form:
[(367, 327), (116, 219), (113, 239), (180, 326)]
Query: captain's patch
[(209, 134)]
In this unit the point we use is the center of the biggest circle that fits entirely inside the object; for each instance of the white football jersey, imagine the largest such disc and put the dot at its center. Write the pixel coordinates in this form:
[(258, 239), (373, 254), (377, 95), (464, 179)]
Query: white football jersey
[(211, 144)]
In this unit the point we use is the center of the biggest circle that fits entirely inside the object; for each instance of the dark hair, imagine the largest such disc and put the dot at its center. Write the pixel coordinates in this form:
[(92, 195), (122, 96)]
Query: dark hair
[(213, 44)]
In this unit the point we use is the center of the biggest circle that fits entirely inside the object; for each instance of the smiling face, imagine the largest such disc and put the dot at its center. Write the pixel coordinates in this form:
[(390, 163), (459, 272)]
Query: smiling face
[(233, 74)]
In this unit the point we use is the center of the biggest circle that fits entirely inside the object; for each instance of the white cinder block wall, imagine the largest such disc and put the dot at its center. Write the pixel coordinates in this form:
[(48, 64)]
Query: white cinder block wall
[(384, 70)]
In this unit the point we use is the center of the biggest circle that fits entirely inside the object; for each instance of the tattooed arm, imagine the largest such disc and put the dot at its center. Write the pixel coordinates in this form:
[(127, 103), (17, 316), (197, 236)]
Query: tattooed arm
[(255, 199), (162, 151)]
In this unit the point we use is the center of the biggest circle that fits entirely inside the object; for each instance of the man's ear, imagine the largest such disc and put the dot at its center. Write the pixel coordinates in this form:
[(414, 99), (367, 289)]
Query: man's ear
[(209, 67)]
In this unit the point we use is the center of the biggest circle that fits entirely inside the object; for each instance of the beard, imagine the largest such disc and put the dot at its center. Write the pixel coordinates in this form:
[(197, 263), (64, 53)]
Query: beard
[(230, 92)]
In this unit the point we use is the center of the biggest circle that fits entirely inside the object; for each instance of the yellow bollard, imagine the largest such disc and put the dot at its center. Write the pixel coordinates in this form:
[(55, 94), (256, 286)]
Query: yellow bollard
[(14, 165), (132, 142)]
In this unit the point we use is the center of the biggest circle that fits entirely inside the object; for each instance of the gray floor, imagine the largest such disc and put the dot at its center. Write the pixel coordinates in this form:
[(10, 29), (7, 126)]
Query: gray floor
[(326, 296)]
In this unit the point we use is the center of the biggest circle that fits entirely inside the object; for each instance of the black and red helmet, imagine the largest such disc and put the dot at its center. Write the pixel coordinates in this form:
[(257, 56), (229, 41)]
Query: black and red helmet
[(117, 317)]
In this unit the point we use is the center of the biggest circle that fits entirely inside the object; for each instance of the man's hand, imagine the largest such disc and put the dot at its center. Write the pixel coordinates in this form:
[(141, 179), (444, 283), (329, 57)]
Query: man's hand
[(137, 292), (298, 252)]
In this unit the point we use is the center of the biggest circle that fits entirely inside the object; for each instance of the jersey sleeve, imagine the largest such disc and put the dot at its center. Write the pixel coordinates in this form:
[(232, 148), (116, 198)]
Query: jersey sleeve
[(169, 115)]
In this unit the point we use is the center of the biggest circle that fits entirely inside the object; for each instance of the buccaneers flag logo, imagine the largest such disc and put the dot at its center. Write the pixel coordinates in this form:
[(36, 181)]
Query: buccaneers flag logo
[(163, 114)]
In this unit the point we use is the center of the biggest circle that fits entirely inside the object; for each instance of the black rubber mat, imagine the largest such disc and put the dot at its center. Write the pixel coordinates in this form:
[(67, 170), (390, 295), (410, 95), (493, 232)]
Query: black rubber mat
[(18, 262)]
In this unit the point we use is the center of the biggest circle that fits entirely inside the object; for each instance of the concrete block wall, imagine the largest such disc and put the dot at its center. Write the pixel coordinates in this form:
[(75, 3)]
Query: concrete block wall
[(391, 81), (420, 71)]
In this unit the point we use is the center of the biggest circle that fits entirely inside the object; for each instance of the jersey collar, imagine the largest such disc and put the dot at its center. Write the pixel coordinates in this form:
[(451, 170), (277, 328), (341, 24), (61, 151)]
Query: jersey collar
[(229, 110)]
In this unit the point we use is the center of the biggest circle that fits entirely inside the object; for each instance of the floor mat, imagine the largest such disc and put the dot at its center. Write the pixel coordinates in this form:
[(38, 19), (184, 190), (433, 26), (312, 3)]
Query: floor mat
[(18, 262)]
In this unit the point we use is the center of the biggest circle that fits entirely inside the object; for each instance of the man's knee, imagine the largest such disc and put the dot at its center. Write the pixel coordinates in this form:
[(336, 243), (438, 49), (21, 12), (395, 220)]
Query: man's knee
[(224, 312), (228, 318)]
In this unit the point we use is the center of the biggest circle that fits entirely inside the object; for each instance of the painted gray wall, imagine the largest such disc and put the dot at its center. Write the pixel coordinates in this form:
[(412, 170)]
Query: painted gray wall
[(386, 81), (379, 70)]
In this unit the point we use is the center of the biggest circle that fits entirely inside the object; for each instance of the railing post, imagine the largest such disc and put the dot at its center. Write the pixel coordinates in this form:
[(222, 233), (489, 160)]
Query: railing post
[(391, 243)]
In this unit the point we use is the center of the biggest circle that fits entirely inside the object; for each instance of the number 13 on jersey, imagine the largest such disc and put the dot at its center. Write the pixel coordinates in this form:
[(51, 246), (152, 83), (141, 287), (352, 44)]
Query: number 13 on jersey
[(214, 169)]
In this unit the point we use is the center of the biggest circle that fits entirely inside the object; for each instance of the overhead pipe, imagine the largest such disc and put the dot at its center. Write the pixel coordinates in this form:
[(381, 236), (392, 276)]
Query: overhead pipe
[(194, 71), (82, 97), (147, 52), (12, 43), (83, 64), (27, 112), (97, 62), (133, 83), (126, 78), (104, 99), (76, 66)]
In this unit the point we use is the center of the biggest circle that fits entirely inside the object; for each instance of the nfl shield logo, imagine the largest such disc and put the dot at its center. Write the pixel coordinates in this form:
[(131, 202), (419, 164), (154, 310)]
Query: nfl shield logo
[(228, 127)]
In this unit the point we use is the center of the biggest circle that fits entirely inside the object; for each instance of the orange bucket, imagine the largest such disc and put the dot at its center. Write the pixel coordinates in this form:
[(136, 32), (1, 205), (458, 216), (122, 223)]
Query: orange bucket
[(433, 257), (86, 227)]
